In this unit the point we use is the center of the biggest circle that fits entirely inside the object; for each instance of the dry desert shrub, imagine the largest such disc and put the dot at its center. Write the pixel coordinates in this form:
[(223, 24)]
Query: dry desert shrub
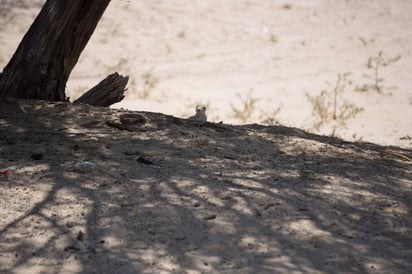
[(376, 63), (247, 106), (148, 84), (329, 107), (141, 86), (271, 118)]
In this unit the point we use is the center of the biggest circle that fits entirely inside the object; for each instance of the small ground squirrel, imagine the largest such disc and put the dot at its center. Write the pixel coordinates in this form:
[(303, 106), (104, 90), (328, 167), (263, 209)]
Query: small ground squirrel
[(200, 115)]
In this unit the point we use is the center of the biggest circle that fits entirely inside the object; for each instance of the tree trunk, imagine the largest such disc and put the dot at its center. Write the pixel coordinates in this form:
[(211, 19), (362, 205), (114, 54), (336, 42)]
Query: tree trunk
[(41, 65), (109, 91)]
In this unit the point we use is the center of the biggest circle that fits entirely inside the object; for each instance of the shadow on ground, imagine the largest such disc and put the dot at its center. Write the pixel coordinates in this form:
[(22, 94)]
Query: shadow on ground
[(168, 195)]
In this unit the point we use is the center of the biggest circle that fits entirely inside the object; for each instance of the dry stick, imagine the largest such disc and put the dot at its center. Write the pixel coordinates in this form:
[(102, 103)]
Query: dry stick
[(335, 91)]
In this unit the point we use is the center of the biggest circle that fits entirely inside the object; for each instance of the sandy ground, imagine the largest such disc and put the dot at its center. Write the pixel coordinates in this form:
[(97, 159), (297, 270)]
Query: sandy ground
[(98, 190), (180, 53), (95, 190)]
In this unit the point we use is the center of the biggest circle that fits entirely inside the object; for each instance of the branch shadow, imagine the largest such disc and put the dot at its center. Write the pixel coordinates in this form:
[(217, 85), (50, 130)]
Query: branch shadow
[(207, 198)]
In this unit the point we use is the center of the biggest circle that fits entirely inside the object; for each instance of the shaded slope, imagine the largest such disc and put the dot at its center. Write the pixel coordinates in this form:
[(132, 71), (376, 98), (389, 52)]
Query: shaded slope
[(170, 195)]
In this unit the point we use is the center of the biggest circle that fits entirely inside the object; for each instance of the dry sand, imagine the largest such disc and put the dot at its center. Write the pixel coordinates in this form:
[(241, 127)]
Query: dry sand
[(169, 195)]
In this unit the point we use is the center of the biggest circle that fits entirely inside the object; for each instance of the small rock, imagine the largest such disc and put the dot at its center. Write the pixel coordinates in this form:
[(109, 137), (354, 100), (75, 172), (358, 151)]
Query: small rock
[(257, 212), (36, 156), (4, 172), (257, 165), (80, 236), (209, 217), (129, 153), (84, 163), (151, 231), (143, 160), (71, 248)]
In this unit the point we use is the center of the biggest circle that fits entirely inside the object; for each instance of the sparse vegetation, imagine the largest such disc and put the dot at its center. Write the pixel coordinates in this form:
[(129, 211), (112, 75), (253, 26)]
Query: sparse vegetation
[(406, 138), (121, 65), (329, 107), (149, 83), (247, 108), (375, 64), (366, 41), (271, 119), (141, 86), (357, 138)]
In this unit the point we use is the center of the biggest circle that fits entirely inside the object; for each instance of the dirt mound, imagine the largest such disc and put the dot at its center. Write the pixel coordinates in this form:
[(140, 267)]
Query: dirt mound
[(97, 190)]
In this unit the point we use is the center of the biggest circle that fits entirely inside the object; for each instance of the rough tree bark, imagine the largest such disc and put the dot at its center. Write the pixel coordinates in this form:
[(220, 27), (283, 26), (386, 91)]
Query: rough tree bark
[(109, 91), (41, 65)]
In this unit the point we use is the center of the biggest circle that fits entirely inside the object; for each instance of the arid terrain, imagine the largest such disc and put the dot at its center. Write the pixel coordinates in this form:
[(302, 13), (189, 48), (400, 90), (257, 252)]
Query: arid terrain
[(97, 190), (251, 61), (139, 188)]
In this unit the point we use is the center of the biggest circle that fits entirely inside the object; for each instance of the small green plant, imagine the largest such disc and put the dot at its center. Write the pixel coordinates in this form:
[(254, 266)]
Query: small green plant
[(247, 108), (375, 64), (329, 107)]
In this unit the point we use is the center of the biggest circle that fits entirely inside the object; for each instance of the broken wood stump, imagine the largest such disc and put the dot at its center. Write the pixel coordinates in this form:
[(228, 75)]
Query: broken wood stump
[(108, 92)]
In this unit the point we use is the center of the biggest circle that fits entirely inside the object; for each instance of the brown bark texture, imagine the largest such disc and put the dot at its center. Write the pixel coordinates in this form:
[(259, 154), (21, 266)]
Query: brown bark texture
[(42, 63), (109, 91)]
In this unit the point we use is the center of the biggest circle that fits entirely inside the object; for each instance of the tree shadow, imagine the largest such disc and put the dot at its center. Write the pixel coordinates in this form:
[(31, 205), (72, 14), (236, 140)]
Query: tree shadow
[(207, 197)]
